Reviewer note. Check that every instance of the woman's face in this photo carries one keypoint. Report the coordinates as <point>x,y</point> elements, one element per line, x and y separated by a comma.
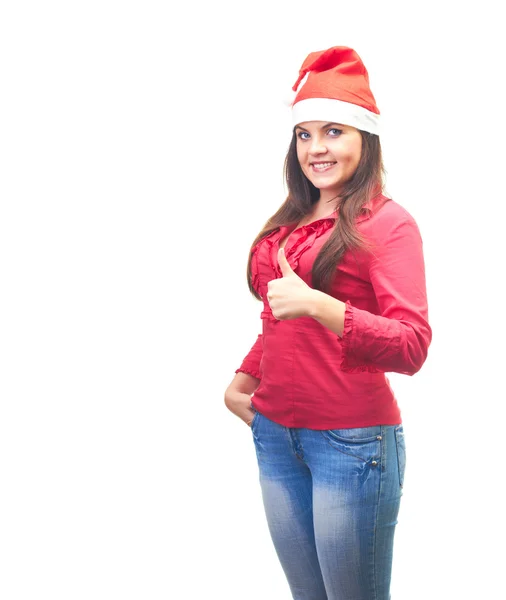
<point>328,153</point>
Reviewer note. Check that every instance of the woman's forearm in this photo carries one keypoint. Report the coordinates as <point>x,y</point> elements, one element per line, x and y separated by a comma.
<point>379,343</point>
<point>243,383</point>
<point>328,311</point>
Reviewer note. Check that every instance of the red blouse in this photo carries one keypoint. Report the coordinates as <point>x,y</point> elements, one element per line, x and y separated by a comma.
<point>310,377</point>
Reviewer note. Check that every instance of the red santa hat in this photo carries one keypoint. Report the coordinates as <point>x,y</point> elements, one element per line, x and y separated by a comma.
<point>335,89</point>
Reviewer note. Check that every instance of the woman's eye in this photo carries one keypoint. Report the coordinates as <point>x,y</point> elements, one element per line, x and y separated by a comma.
<point>335,132</point>
<point>302,134</point>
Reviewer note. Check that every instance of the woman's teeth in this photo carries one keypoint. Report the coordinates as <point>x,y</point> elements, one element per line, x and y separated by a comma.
<point>322,166</point>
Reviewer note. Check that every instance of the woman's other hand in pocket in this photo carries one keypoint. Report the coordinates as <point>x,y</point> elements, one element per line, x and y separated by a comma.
<point>238,396</point>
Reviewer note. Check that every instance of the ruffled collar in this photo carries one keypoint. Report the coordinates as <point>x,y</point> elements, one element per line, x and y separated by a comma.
<point>307,235</point>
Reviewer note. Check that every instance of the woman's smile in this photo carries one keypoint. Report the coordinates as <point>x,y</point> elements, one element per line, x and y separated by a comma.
<point>321,167</point>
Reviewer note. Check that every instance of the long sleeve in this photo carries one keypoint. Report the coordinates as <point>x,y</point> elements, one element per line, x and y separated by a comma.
<point>251,363</point>
<point>397,339</point>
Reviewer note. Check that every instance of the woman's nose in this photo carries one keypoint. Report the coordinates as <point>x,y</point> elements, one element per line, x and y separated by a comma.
<point>317,146</point>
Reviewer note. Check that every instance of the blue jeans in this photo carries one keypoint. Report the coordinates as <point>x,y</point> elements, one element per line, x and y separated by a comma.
<point>331,498</point>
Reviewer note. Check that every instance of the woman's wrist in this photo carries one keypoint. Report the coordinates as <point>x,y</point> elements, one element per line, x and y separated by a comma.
<point>318,305</point>
<point>328,311</point>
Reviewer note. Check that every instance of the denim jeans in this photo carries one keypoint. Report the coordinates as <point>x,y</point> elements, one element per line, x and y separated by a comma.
<point>331,498</point>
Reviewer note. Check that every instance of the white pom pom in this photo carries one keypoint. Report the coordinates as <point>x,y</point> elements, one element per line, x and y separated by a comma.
<point>288,98</point>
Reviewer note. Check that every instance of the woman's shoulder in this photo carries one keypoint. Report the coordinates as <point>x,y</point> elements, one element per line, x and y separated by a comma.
<point>388,212</point>
<point>389,218</point>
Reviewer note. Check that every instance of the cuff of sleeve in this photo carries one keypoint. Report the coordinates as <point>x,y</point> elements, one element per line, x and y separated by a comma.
<point>248,371</point>
<point>348,325</point>
<point>349,364</point>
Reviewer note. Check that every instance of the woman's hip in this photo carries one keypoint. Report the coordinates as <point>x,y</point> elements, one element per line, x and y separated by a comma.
<point>359,461</point>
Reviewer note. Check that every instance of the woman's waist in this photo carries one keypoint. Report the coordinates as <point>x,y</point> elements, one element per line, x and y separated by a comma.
<point>319,408</point>
<point>303,377</point>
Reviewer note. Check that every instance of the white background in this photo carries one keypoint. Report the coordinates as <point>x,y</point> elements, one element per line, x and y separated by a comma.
<point>141,152</point>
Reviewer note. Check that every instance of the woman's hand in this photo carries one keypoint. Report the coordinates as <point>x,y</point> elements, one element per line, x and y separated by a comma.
<point>240,404</point>
<point>289,297</point>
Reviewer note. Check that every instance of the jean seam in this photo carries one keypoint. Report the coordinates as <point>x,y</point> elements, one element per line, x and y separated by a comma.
<point>397,444</point>
<point>382,454</point>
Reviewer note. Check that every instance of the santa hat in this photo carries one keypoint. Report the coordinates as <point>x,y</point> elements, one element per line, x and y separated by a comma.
<point>335,89</point>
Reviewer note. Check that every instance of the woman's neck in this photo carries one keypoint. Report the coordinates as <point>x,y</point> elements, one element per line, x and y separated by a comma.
<point>325,205</point>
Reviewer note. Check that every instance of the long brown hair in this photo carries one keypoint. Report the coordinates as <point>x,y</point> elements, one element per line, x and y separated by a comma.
<point>366,183</point>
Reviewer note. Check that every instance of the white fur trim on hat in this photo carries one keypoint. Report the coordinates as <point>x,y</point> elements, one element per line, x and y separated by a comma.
<point>335,111</point>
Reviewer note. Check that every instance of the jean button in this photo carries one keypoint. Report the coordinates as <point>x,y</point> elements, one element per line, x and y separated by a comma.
<point>379,437</point>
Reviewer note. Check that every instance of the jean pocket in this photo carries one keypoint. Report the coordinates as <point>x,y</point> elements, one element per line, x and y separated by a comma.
<point>363,443</point>
<point>356,435</point>
<point>400,445</point>
<point>255,419</point>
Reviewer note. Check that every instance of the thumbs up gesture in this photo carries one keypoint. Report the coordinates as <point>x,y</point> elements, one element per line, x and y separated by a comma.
<point>289,297</point>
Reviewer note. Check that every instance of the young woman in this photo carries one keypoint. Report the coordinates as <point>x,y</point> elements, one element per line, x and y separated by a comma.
<point>340,270</point>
